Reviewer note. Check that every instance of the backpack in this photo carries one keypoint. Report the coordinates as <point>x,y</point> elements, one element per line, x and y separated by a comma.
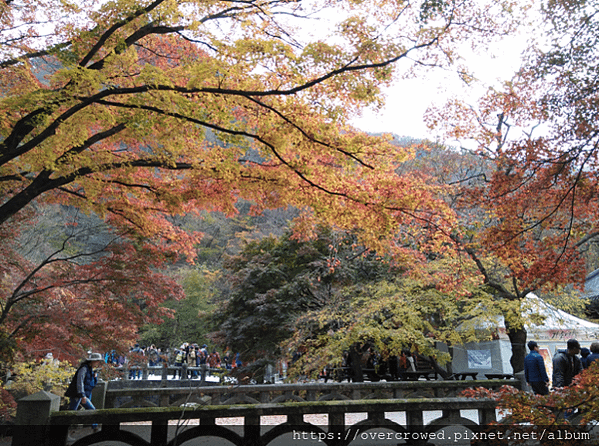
<point>137,350</point>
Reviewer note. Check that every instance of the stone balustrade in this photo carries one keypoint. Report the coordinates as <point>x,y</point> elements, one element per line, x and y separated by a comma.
<point>164,372</point>
<point>126,394</point>
<point>285,422</point>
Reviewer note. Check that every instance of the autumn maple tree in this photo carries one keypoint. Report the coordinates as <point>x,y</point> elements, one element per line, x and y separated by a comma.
<point>532,210</point>
<point>330,295</point>
<point>64,293</point>
<point>138,110</point>
<point>545,415</point>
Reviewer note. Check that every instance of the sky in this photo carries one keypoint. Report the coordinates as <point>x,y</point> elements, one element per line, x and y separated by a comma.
<point>408,100</point>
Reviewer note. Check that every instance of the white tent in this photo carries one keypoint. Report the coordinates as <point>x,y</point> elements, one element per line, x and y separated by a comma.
<point>494,356</point>
<point>558,325</point>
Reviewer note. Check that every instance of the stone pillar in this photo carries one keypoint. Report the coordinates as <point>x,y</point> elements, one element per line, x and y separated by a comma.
<point>414,418</point>
<point>184,372</point>
<point>487,416</point>
<point>523,384</point>
<point>337,428</point>
<point>33,416</point>
<point>164,372</point>
<point>268,374</point>
<point>126,368</point>
<point>99,395</point>
<point>251,430</point>
<point>204,373</point>
<point>159,433</point>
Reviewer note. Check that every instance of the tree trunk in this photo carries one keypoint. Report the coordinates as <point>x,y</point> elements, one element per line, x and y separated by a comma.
<point>356,364</point>
<point>517,338</point>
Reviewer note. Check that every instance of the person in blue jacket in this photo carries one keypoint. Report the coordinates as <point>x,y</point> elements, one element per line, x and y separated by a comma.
<point>594,356</point>
<point>83,382</point>
<point>584,354</point>
<point>534,370</point>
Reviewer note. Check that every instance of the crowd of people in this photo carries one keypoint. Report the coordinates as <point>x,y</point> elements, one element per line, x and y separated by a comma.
<point>566,365</point>
<point>188,354</point>
<point>85,378</point>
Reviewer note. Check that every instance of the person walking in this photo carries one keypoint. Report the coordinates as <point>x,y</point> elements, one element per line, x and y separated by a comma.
<point>83,382</point>
<point>136,362</point>
<point>534,370</point>
<point>566,364</point>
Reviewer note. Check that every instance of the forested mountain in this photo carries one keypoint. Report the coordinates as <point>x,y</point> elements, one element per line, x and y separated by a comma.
<point>238,292</point>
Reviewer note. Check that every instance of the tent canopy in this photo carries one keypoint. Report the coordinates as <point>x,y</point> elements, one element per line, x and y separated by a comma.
<point>558,325</point>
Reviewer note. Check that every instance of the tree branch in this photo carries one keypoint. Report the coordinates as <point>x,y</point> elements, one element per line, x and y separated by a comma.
<point>115,27</point>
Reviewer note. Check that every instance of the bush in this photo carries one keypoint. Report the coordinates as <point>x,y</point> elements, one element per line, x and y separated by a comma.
<point>31,377</point>
<point>566,414</point>
<point>8,406</point>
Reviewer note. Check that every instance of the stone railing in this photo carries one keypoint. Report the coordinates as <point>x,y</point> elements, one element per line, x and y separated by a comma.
<point>165,372</point>
<point>319,421</point>
<point>126,394</point>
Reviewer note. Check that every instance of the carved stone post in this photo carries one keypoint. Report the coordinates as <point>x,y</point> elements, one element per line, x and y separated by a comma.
<point>99,395</point>
<point>33,416</point>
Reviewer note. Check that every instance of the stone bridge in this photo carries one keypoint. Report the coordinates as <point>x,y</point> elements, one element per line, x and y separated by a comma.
<point>305,423</point>
<point>126,394</point>
<point>287,414</point>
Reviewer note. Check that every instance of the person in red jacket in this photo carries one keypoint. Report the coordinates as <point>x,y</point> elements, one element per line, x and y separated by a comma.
<point>214,360</point>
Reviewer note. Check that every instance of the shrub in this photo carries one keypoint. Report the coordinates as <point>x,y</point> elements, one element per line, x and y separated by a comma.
<point>8,406</point>
<point>30,377</point>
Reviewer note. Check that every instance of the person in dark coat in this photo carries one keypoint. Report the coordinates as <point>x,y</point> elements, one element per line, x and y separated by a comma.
<point>566,364</point>
<point>584,354</point>
<point>534,370</point>
<point>82,384</point>
<point>594,356</point>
